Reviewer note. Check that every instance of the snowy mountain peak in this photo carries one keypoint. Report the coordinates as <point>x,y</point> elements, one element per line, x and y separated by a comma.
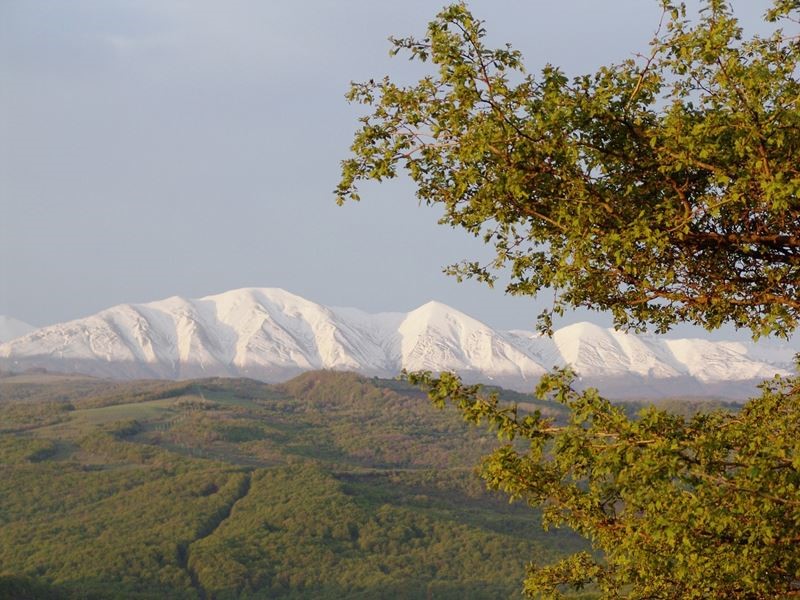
<point>272,334</point>
<point>437,337</point>
<point>589,347</point>
<point>434,306</point>
<point>441,317</point>
<point>583,329</point>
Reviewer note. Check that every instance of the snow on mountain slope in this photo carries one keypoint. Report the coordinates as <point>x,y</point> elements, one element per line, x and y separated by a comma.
<point>720,361</point>
<point>11,328</point>
<point>436,337</point>
<point>271,334</point>
<point>593,351</point>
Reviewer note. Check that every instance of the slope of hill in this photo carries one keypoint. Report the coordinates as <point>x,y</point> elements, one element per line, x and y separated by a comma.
<point>328,486</point>
<point>272,335</point>
<point>11,328</point>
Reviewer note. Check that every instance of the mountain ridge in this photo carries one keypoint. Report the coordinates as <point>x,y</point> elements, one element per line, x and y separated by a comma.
<point>271,334</point>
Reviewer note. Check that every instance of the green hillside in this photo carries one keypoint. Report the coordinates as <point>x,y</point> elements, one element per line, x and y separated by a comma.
<point>329,486</point>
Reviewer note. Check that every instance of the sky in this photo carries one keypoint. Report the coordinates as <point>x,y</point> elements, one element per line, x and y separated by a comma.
<point>151,148</point>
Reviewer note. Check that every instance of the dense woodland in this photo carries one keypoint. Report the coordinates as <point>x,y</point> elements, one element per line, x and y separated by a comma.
<point>330,485</point>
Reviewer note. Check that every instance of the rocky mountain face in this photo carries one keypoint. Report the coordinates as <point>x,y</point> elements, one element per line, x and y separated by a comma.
<point>272,335</point>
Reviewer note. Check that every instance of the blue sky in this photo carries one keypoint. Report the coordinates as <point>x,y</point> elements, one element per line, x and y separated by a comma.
<point>151,148</point>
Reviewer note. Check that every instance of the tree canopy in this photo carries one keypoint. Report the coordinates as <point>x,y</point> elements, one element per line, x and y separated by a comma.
<point>663,189</point>
<point>701,507</point>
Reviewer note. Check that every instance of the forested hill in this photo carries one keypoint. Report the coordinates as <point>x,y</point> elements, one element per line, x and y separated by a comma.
<point>329,486</point>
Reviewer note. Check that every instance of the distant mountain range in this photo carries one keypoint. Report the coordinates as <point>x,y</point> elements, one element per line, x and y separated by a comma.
<point>272,335</point>
<point>13,328</point>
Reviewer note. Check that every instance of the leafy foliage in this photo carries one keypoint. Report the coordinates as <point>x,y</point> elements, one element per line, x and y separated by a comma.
<point>700,507</point>
<point>662,190</point>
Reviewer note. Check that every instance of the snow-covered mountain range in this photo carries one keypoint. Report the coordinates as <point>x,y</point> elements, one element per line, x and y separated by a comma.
<point>271,334</point>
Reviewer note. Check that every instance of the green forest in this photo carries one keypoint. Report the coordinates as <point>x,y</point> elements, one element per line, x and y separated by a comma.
<point>328,486</point>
